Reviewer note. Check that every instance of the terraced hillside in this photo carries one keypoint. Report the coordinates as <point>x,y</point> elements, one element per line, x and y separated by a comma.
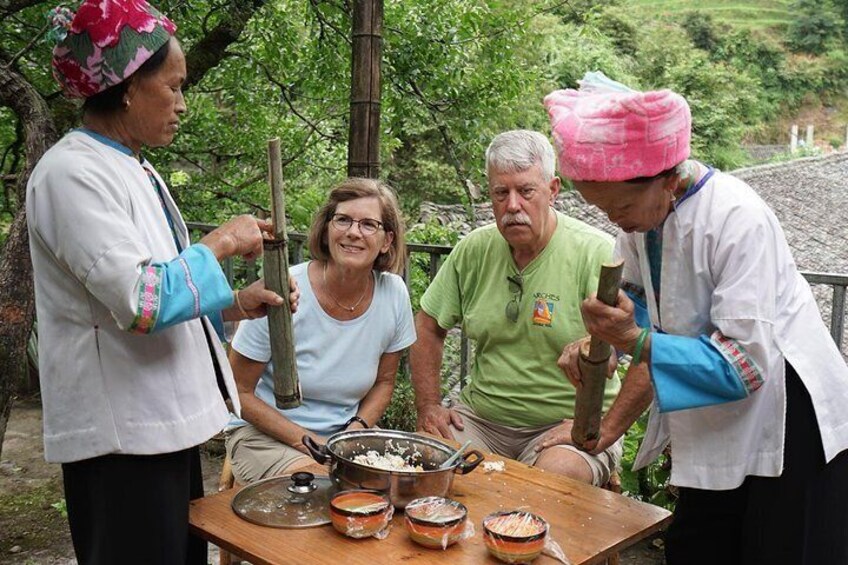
<point>765,15</point>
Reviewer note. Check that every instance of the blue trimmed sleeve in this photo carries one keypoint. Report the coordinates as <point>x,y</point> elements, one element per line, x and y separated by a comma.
<point>690,372</point>
<point>190,286</point>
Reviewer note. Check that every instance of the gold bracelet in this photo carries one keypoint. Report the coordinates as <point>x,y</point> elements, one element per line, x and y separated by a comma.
<point>240,307</point>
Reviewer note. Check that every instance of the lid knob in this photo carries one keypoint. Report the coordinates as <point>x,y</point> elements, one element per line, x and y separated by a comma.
<point>302,483</point>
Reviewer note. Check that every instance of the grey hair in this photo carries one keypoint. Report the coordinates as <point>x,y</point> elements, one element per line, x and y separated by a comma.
<point>518,150</point>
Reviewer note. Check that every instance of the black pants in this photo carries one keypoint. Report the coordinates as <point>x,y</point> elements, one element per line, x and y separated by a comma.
<point>133,509</point>
<point>799,518</point>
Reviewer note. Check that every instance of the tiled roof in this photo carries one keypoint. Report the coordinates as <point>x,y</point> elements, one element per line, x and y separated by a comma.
<point>810,198</point>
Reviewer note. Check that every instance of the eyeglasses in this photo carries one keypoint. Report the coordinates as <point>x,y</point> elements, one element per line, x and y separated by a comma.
<point>516,287</point>
<point>367,226</point>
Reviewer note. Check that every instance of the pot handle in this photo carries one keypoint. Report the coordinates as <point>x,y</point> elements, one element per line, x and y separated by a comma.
<point>319,452</point>
<point>470,460</point>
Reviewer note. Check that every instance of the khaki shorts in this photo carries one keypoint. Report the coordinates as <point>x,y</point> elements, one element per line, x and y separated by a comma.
<point>255,455</point>
<point>520,443</point>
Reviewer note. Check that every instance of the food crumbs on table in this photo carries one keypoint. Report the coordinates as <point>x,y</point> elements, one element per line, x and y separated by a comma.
<point>493,466</point>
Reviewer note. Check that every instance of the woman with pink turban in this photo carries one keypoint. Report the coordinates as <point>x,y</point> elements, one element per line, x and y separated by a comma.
<point>133,375</point>
<point>724,333</point>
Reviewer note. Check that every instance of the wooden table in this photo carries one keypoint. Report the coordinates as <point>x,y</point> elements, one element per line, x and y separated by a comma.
<point>589,523</point>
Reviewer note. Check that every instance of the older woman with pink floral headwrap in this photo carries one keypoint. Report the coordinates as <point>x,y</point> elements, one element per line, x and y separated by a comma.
<point>724,333</point>
<point>133,375</point>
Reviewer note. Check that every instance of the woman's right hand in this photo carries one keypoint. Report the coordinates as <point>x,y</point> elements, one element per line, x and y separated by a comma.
<point>242,236</point>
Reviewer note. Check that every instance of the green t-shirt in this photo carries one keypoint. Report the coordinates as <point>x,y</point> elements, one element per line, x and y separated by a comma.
<point>515,380</point>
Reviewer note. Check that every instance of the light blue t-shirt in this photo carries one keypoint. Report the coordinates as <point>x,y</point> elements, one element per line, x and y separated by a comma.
<point>336,360</point>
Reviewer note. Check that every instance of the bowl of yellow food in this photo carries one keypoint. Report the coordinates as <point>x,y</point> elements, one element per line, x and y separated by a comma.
<point>435,522</point>
<point>360,513</point>
<point>514,536</point>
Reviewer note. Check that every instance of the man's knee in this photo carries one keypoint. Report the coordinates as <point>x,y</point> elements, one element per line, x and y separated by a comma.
<point>565,462</point>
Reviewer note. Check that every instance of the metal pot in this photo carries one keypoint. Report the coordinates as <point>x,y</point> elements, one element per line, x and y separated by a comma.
<point>401,486</point>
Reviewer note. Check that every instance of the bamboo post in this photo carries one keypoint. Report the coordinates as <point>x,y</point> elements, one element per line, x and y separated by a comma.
<point>287,393</point>
<point>594,366</point>
<point>810,130</point>
<point>793,138</point>
<point>363,152</point>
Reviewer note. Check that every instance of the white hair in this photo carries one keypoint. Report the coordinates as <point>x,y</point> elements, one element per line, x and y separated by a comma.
<point>518,150</point>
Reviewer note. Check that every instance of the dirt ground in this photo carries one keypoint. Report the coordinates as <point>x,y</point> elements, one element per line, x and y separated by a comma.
<point>33,530</point>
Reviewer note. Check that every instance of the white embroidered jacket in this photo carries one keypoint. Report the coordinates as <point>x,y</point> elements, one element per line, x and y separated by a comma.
<point>726,266</point>
<point>95,221</point>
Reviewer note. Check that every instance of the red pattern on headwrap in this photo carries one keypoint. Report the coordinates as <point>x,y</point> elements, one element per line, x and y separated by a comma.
<point>107,41</point>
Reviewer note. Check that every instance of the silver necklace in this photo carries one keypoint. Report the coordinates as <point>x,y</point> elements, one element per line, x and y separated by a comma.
<point>339,304</point>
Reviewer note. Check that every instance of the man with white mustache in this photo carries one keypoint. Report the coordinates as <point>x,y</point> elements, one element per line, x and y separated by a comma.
<point>516,288</point>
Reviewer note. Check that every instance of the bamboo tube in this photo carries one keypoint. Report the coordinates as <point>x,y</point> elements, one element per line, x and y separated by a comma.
<point>594,367</point>
<point>287,393</point>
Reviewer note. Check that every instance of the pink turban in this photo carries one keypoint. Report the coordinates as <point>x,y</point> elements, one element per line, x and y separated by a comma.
<point>607,132</point>
<point>104,43</point>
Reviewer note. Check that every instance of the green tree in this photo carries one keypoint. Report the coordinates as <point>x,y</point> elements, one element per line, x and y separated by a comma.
<point>701,29</point>
<point>815,27</point>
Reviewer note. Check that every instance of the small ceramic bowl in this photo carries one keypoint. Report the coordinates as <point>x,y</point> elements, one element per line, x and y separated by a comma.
<point>514,536</point>
<point>360,513</point>
<point>435,522</point>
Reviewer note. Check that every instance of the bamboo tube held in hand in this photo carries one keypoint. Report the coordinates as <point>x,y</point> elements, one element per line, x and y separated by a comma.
<point>287,393</point>
<point>594,367</point>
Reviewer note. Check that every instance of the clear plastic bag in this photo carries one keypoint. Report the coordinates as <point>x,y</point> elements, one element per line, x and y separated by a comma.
<point>436,522</point>
<point>361,514</point>
<point>517,536</point>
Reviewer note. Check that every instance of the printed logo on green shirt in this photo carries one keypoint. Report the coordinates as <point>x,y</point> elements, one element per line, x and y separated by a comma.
<point>543,311</point>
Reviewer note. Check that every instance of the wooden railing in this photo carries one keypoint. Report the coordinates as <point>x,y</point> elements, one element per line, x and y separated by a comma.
<point>839,283</point>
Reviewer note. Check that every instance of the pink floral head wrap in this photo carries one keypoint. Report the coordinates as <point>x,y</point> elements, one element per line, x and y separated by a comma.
<point>607,132</point>
<point>104,43</point>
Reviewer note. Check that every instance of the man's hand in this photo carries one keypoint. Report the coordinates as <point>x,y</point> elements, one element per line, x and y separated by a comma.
<point>568,362</point>
<point>561,435</point>
<point>436,419</point>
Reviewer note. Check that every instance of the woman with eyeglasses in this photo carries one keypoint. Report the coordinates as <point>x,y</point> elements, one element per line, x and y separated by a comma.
<point>352,324</point>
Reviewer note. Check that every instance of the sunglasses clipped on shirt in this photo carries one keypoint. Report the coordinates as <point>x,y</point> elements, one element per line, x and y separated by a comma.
<point>367,226</point>
<point>516,287</point>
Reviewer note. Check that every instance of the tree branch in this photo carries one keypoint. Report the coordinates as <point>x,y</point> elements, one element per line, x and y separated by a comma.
<point>212,49</point>
<point>462,176</point>
<point>284,92</point>
<point>17,299</point>
<point>28,46</point>
<point>323,21</point>
<point>9,7</point>
<point>32,112</point>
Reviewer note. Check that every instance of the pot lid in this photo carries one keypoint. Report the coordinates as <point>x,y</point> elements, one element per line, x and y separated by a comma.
<point>299,500</point>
